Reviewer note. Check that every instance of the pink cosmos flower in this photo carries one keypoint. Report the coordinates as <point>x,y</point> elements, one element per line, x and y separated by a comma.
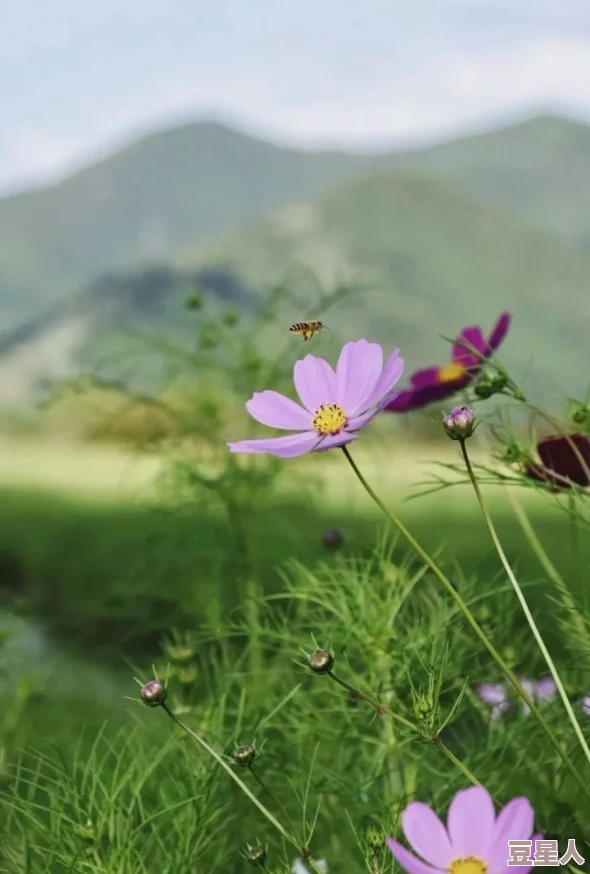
<point>475,840</point>
<point>336,404</point>
<point>497,695</point>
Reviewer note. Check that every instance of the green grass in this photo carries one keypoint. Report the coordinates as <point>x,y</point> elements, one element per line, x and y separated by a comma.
<point>104,574</point>
<point>95,554</point>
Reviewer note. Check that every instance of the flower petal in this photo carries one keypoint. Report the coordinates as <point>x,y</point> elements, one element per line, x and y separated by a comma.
<point>332,441</point>
<point>275,410</point>
<point>492,693</point>
<point>514,823</point>
<point>315,382</point>
<point>546,690</point>
<point>425,378</point>
<point>470,822</point>
<point>498,710</point>
<point>408,861</point>
<point>390,376</point>
<point>569,457</point>
<point>359,367</point>
<point>427,835</point>
<point>283,447</point>
<point>470,347</point>
<point>499,331</point>
<point>415,399</point>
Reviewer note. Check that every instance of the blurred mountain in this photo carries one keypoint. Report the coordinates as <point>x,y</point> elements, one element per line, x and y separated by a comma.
<point>435,258</point>
<point>182,186</point>
<point>166,190</point>
<point>540,168</point>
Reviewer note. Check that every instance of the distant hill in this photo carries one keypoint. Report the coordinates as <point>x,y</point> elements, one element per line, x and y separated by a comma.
<point>540,168</point>
<point>164,191</point>
<point>92,331</point>
<point>438,258</point>
<point>181,187</point>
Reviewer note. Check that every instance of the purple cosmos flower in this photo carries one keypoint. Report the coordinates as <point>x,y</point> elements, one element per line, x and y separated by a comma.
<point>585,704</point>
<point>564,460</point>
<point>436,383</point>
<point>475,840</point>
<point>497,694</point>
<point>336,404</point>
<point>494,694</point>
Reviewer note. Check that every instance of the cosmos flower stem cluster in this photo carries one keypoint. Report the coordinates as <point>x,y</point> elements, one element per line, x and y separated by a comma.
<point>386,711</point>
<point>523,602</point>
<point>291,838</point>
<point>509,674</point>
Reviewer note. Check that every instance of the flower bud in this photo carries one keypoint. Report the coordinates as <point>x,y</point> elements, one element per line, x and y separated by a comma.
<point>231,317</point>
<point>179,655</point>
<point>244,755</point>
<point>424,709</point>
<point>194,302</point>
<point>459,423</point>
<point>490,385</point>
<point>187,675</point>
<point>579,413</point>
<point>321,661</point>
<point>256,856</point>
<point>154,693</point>
<point>333,538</point>
<point>511,452</point>
<point>375,840</point>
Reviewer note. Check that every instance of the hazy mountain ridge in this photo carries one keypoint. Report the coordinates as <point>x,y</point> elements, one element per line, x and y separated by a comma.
<point>436,257</point>
<point>164,191</point>
<point>179,187</point>
<point>443,242</point>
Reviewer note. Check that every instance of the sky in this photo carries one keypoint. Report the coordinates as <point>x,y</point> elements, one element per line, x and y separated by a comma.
<point>78,79</point>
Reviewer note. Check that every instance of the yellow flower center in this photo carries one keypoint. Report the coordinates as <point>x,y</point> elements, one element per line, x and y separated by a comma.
<point>451,372</point>
<point>329,419</point>
<point>468,865</point>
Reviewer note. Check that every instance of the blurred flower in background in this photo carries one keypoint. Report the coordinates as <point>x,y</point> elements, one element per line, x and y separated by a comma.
<point>438,382</point>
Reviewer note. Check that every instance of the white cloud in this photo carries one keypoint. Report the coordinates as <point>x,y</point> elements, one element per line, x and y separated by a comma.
<point>397,98</point>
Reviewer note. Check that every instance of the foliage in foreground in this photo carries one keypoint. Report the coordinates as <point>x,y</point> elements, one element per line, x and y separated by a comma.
<point>356,685</point>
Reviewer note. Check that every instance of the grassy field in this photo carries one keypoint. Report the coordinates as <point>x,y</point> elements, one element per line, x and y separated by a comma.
<point>90,545</point>
<point>98,566</point>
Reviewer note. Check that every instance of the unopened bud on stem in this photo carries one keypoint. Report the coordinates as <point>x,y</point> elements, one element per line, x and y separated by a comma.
<point>244,755</point>
<point>321,661</point>
<point>154,693</point>
<point>459,423</point>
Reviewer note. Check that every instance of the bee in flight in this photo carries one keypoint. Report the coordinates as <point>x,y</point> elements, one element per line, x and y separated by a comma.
<point>308,329</point>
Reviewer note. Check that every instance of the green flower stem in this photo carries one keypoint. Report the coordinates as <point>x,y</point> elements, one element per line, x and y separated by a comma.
<point>278,803</point>
<point>523,602</point>
<point>397,523</point>
<point>549,567</point>
<point>292,839</point>
<point>379,708</point>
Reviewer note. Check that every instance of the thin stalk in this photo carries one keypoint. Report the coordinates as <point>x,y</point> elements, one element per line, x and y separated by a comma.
<point>397,523</point>
<point>523,602</point>
<point>379,708</point>
<point>548,566</point>
<point>573,526</point>
<point>277,801</point>
<point>292,839</point>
